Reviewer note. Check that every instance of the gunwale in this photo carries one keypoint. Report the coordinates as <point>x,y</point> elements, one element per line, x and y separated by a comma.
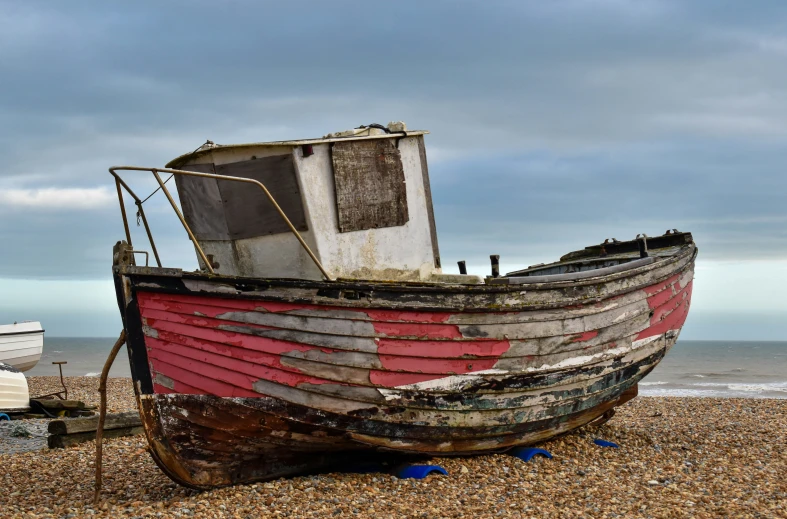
<point>409,295</point>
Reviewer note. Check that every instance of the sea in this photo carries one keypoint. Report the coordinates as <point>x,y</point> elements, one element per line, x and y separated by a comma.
<point>736,369</point>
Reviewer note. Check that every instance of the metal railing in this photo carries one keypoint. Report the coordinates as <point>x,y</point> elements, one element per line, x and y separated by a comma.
<point>120,183</point>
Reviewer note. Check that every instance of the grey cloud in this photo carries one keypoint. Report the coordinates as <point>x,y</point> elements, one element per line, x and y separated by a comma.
<point>554,125</point>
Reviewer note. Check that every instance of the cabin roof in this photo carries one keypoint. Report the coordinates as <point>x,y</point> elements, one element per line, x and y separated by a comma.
<point>210,146</point>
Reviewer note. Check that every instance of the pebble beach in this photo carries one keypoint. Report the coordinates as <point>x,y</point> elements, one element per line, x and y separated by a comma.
<point>678,457</point>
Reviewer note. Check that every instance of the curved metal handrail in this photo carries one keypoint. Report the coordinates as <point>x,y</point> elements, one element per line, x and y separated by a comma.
<point>119,182</point>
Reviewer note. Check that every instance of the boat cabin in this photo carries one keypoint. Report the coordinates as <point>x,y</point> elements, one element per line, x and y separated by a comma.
<point>360,199</point>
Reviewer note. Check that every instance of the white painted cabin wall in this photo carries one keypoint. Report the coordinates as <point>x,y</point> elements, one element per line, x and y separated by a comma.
<point>403,252</point>
<point>371,253</point>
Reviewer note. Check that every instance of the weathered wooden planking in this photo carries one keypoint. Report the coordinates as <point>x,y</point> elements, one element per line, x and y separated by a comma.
<point>502,389</point>
<point>238,361</point>
<point>370,187</point>
<point>60,441</point>
<point>295,363</point>
<point>55,404</point>
<point>676,239</point>
<point>211,314</point>
<point>224,412</point>
<point>180,304</point>
<point>90,423</point>
<point>248,210</point>
<point>410,297</point>
<point>240,379</point>
<point>283,451</point>
<point>202,205</point>
<point>420,297</point>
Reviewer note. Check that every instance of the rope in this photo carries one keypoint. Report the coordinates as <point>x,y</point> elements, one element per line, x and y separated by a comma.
<point>156,190</point>
<point>139,204</point>
<point>208,142</point>
<point>102,389</point>
<point>375,125</point>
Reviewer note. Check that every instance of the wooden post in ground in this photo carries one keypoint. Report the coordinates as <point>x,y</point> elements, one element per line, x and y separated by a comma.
<point>102,390</point>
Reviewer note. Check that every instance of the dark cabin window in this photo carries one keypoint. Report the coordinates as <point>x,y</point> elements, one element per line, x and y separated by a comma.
<point>226,210</point>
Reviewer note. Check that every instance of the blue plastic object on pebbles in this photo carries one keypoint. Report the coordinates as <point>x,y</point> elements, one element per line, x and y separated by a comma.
<point>605,443</point>
<point>418,471</point>
<point>4,416</point>
<point>527,453</point>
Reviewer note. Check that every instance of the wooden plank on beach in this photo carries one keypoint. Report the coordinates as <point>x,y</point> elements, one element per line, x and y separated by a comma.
<point>59,441</point>
<point>90,423</point>
<point>55,404</point>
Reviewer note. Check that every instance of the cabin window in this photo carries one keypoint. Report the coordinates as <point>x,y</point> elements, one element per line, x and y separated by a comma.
<point>224,210</point>
<point>370,187</point>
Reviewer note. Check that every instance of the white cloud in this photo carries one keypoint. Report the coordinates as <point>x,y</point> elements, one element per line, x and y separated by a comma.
<point>58,198</point>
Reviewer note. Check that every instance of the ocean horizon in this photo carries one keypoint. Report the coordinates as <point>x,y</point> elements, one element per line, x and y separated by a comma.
<point>733,369</point>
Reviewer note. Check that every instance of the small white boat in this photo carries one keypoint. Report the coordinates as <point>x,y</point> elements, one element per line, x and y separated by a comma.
<point>14,395</point>
<point>21,344</point>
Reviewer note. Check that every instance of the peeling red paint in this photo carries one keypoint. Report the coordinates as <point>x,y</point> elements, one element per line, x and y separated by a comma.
<point>662,322</point>
<point>427,331</point>
<point>582,337</point>
<point>658,287</point>
<point>438,367</point>
<point>193,348</point>
<point>442,349</point>
<point>405,316</point>
<point>252,364</point>
<point>222,382</point>
<point>163,390</point>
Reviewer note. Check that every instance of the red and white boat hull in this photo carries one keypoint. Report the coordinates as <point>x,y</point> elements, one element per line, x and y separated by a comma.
<point>240,381</point>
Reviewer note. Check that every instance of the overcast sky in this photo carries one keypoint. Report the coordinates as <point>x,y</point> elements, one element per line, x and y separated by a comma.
<point>554,125</point>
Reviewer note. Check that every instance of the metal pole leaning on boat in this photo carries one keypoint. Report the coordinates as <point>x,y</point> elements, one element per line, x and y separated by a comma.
<point>122,209</point>
<point>102,412</point>
<point>150,236</point>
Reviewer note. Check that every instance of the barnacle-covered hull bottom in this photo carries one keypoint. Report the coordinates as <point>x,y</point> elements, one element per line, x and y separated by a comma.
<point>242,380</point>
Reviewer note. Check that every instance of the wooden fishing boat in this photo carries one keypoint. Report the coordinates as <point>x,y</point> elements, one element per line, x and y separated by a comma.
<point>21,344</point>
<point>14,395</point>
<point>244,376</point>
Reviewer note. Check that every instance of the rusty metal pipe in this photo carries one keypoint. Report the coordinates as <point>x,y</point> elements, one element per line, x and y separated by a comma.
<point>125,186</point>
<point>495,259</point>
<point>642,243</point>
<point>150,236</point>
<point>147,256</point>
<point>123,211</point>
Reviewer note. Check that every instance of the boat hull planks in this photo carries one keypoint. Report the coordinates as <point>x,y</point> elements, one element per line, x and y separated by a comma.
<point>242,380</point>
